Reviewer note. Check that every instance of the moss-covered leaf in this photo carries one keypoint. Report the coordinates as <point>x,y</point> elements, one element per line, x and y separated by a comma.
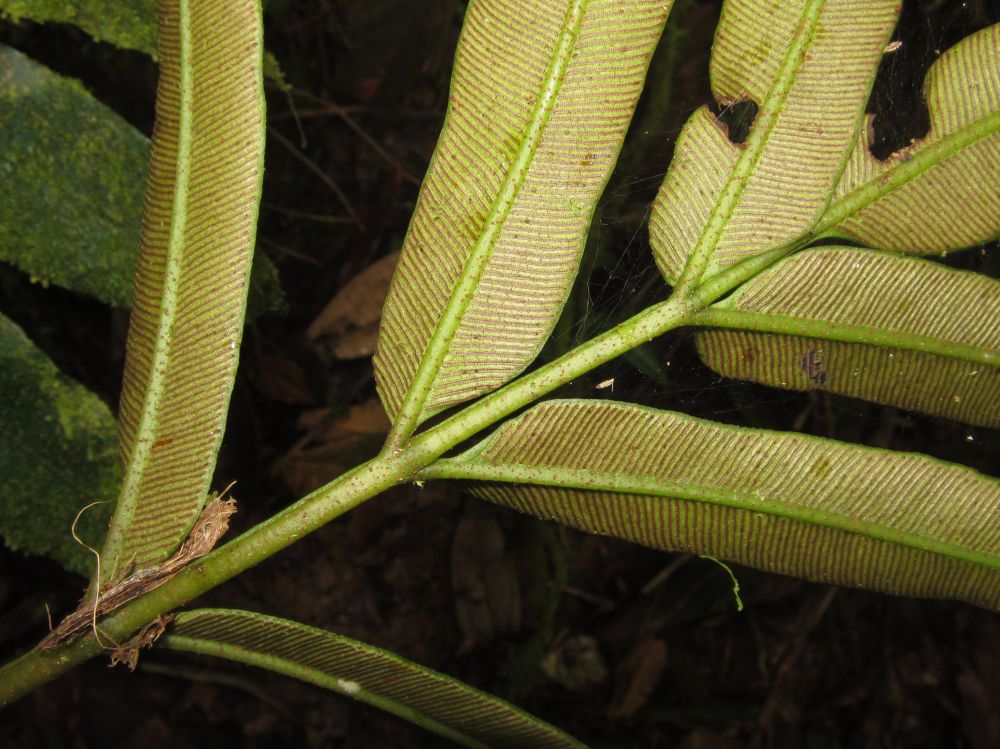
<point>894,330</point>
<point>790,503</point>
<point>417,694</point>
<point>73,174</point>
<point>129,25</point>
<point>58,453</point>
<point>72,171</point>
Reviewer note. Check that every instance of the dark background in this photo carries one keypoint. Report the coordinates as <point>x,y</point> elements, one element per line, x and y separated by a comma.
<point>652,642</point>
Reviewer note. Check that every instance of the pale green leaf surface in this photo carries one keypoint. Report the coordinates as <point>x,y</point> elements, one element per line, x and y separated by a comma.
<point>541,96</point>
<point>809,65</point>
<point>191,279</point>
<point>73,174</point>
<point>130,25</point>
<point>894,330</point>
<point>425,697</point>
<point>795,504</point>
<point>941,192</point>
<point>58,453</point>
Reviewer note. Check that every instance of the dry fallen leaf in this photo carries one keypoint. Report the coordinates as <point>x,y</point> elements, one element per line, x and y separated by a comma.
<point>347,327</point>
<point>576,663</point>
<point>324,425</point>
<point>333,443</point>
<point>484,578</point>
<point>636,677</point>
<point>281,378</point>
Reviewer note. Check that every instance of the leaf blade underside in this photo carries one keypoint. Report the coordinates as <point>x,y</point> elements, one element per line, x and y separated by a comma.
<point>425,697</point>
<point>809,66</point>
<point>541,96</point>
<point>893,330</point>
<point>794,504</point>
<point>190,292</point>
<point>938,194</point>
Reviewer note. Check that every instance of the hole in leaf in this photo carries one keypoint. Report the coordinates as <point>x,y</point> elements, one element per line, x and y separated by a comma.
<point>738,116</point>
<point>896,99</point>
<point>926,29</point>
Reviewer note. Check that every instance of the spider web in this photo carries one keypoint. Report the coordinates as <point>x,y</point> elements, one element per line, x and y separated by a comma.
<point>619,278</point>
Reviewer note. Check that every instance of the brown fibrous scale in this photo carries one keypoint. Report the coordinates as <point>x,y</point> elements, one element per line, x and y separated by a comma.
<point>208,529</point>
<point>128,654</point>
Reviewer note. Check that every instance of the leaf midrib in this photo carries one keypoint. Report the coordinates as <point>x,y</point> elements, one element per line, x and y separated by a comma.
<point>903,173</point>
<point>587,480</point>
<point>897,177</point>
<point>372,691</point>
<point>315,676</point>
<point>437,348</point>
<point>141,449</point>
<point>781,323</point>
<point>760,134</point>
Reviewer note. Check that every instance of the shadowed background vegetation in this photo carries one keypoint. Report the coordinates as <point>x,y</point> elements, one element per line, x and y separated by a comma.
<point>578,629</point>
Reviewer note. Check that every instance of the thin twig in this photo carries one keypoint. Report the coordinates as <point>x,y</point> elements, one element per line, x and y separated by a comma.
<point>301,256</point>
<point>321,218</point>
<point>663,575</point>
<point>592,598</point>
<point>206,676</point>
<point>810,617</point>
<point>353,124</point>
<point>326,178</point>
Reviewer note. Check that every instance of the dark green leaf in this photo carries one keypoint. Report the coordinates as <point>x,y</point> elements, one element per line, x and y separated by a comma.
<point>130,24</point>
<point>73,174</point>
<point>58,453</point>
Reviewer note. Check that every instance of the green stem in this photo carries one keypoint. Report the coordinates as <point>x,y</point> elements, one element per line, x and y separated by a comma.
<point>658,486</point>
<point>315,510</point>
<point>35,667</point>
<point>834,331</point>
<point>903,173</point>
<point>725,281</point>
<point>648,324</point>
<point>346,492</point>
